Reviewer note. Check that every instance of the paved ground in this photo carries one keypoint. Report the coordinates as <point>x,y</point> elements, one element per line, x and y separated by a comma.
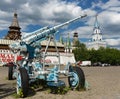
<point>104,84</point>
<point>6,87</point>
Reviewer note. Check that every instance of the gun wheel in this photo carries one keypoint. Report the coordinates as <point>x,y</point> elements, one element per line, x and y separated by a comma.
<point>22,82</point>
<point>77,78</point>
<point>10,73</point>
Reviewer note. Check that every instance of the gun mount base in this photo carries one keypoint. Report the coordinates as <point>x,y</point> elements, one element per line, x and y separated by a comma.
<point>56,84</point>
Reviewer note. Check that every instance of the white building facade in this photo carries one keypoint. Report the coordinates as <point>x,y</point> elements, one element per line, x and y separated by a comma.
<point>97,39</point>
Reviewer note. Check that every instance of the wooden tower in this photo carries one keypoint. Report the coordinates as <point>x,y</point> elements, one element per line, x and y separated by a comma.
<point>14,30</point>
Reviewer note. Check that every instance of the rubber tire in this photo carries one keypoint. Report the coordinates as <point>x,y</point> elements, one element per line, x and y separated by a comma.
<point>81,76</point>
<point>10,73</point>
<point>24,81</point>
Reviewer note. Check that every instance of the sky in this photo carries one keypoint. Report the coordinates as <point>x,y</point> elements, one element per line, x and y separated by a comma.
<point>35,14</point>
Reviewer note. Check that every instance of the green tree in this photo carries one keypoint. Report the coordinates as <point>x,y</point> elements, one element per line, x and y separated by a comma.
<point>103,55</point>
<point>80,51</point>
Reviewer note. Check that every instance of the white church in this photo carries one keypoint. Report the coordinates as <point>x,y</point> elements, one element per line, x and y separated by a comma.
<point>97,39</point>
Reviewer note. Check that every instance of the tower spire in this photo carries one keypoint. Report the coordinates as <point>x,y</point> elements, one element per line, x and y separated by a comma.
<point>97,35</point>
<point>14,29</point>
<point>68,41</point>
<point>96,24</point>
<point>15,21</point>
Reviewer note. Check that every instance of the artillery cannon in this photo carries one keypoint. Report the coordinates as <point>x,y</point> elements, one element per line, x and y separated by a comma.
<point>28,67</point>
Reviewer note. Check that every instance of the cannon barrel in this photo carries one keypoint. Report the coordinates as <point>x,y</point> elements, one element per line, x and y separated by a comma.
<point>35,32</point>
<point>68,22</point>
<point>30,39</point>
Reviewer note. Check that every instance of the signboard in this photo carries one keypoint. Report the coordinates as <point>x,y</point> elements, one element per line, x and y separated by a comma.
<point>64,58</point>
<point>6,56</point>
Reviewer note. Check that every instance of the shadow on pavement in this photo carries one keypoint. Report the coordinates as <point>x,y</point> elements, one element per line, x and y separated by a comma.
<point>6,90</point>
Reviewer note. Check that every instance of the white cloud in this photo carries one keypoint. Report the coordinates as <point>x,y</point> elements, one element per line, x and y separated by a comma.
<point>52,12</point>
<point>109,18</point>
<point>3,14</point>
<point>109,22</point>
<point>98,4</point>
<point>111,3</point>
<point>8,1</point>
<point>39,12</point>
<point>60,10</point>
<point>48,13</point>
<point>83,32</point>
<point>107,5</point>
<point>113,42</point>
<point>90,12</point>
<point>4,24</point>
<point>114,9</point>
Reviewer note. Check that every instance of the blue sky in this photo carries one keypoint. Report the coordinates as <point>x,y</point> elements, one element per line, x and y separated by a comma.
<point>34,14</point>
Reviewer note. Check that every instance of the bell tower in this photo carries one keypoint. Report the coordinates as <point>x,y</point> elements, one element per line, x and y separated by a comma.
<point>14,30</point>
<point>97,35</point>
<point>97,39</point>
<point>75,39</point>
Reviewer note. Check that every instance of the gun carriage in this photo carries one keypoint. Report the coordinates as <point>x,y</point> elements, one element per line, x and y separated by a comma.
<point>28,67</point>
